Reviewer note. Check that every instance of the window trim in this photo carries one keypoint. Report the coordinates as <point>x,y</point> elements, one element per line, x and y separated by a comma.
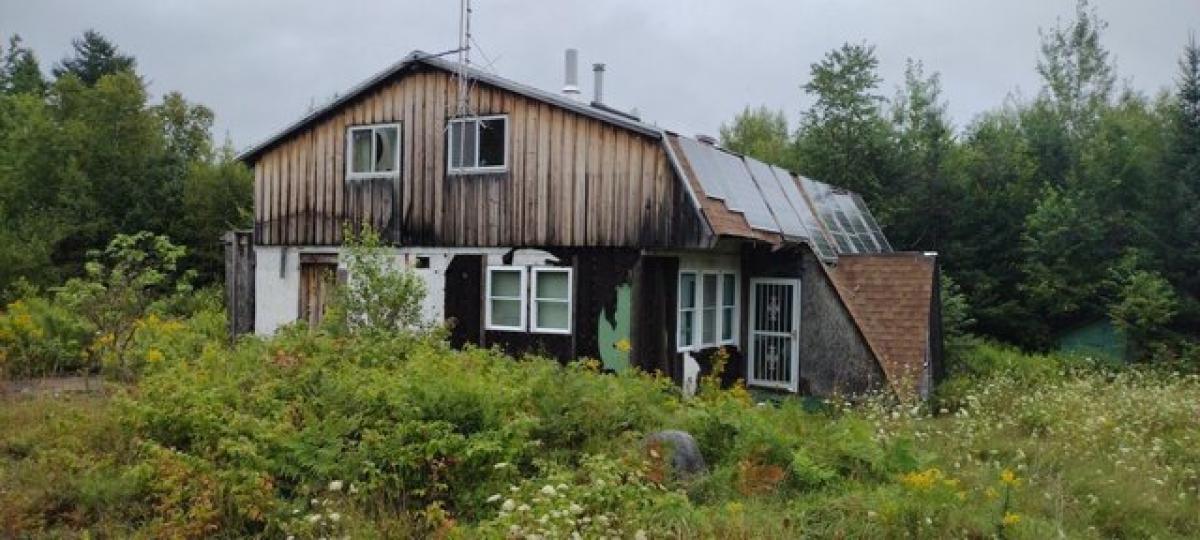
<point>522,296</point>
<point>476,169</point>
<point>350,174</point>
<point>697,308</point>
<point>534,299</point>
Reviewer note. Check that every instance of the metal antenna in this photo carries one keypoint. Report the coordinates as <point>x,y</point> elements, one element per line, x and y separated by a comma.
<point>464,58</point>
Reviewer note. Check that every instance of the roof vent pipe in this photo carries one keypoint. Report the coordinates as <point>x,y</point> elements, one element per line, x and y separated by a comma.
<point>598,72</point>
<point>571,75</point>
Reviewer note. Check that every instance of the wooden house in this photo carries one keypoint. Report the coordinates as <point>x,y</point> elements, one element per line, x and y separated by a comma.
<point>544,223</point>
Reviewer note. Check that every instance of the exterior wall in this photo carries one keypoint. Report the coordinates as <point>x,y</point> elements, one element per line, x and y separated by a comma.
<point>834,356</point>
<point>277,299</point>
<point>571,181</point>
<point>598,320</point>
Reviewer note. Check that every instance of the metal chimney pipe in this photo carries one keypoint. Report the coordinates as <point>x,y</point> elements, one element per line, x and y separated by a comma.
<point>598,72</point>
<point>571,74</point>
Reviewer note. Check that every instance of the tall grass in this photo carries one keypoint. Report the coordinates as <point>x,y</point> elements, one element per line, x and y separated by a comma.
<point>315,436</point>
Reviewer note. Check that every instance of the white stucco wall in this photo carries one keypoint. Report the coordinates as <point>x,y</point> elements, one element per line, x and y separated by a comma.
<point>277,295</point>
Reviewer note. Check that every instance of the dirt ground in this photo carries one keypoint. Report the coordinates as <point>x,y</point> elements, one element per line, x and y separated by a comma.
<point>51,385</point>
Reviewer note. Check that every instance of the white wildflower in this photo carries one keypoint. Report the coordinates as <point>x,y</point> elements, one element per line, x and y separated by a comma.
<point>500,465</point>
<point>523,508</point>
<point>335,517</point>
<point>576,509</point>
<point>335,485</point>
<point>548,490</point>
<point>493,498</point>
<point>639,535</point>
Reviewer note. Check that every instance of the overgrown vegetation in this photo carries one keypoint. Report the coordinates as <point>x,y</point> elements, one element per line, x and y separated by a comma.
<point>383,430</point>
<point>313,435</point>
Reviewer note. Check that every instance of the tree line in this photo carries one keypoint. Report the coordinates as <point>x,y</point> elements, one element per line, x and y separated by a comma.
<point>85,154</point>
<point>1077,205</point>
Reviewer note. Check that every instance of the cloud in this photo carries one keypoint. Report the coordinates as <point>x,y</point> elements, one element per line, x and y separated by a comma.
<point>688,65</point>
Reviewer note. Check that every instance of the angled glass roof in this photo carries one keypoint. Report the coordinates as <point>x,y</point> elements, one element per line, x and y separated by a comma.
<point>844,214</point>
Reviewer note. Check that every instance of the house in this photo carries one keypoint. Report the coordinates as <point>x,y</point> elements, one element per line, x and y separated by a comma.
<point>544,223</point>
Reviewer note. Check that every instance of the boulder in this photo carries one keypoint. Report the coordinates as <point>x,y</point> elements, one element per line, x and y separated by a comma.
<point>685,453</point>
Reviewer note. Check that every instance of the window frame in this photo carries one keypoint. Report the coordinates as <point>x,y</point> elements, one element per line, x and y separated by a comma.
<point>697,334</point>
<point>350,174</point>
<point>523,296</point>
<point>534,299</point>
<point>736,318</point>
<point>475,169</point>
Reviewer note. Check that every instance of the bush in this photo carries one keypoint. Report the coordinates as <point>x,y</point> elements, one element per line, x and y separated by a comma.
<point>39,337</point>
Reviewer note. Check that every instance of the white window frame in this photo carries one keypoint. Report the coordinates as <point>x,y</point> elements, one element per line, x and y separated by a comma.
<point>698,310</point>
<point>350,174</point>
<point>523,297</point>
<point>535,300</point>
<point>734,325</point>
<point>451,169</point>
<point>679,310</point>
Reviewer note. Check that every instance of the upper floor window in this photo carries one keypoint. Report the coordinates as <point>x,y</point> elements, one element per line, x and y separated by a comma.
<point>478,144</point>
<point>374,151</point>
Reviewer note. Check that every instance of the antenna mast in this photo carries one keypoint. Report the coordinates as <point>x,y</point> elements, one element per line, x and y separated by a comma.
<point>464,58</point>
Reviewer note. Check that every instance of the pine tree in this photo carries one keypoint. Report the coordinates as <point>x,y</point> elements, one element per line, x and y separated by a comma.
<point>20,73</point>
<point>95,56</point>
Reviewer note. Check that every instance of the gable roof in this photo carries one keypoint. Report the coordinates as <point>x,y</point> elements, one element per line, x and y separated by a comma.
<point>891,296</point>
<point>421,58</point>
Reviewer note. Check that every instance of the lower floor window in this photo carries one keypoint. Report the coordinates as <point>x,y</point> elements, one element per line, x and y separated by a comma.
<point>552,300</point>
<point>707,311</point>
<point>506,298</point>
<point>537,299</point>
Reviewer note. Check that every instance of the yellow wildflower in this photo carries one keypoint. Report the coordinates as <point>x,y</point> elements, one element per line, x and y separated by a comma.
<point>922,480</point>
<point>622,345</point>
<point>1010,519</point>
<point>1009,478</point>
<point>990,493</point>
<point>154,355</point>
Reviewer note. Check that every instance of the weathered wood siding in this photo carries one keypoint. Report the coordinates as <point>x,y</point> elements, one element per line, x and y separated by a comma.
<point>571,181</point>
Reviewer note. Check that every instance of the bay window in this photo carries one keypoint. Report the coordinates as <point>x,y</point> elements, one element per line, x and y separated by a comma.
<point>707,310</point>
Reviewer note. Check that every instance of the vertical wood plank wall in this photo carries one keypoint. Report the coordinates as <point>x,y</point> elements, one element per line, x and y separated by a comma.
<point>572,180</point>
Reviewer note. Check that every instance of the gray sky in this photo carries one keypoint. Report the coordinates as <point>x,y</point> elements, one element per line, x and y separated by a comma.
<point>687,65</point>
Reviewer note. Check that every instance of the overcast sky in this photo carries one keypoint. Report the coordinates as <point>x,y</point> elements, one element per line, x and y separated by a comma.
<point>687,65</point>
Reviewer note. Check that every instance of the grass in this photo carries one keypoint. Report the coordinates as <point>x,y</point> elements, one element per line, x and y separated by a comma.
<point>314,436</point>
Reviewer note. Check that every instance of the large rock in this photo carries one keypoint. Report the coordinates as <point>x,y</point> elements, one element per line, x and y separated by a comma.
<point>685,453</point>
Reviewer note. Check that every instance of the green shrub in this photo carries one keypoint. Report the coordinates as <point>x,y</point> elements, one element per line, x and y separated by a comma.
<point>39,337</point>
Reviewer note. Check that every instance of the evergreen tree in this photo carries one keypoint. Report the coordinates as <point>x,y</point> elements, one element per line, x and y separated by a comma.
<point>917,199</point>
<point>94,57</point>
<point>20,73</point>
<point>843,138</point>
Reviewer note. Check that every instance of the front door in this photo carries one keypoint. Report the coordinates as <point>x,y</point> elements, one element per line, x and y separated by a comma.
<point>317,281</point>
<point>774,333</point>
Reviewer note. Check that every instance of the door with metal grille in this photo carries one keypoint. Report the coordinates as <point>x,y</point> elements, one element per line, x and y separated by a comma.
<point>774,333</point>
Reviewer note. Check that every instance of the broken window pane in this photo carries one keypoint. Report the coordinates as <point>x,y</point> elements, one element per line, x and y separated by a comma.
<point>491,142</point>
<point>386,148</point>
